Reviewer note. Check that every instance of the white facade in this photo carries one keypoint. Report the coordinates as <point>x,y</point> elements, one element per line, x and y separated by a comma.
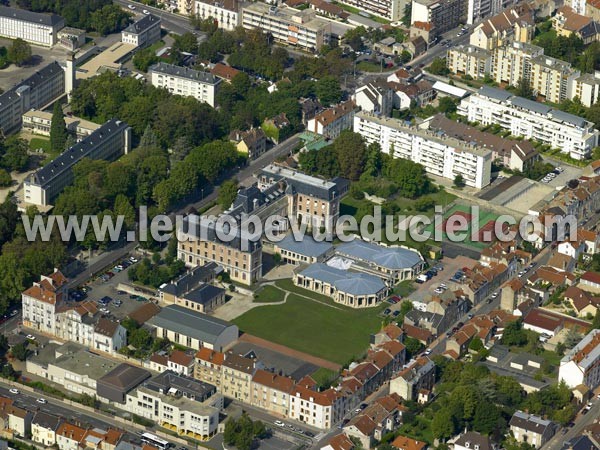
<point>579,6</point>
<point>571,134</point>
<point>388,9</point>
<point>375,98</point>
<point>142,33</point>
<point>36,28</point>
<point>186,82</point>
<point>444,157</point>
<point>332,121</point>
<point>226,13</point>
<point>188,416</point>
<point>581,365</point>
<point>318,409</point>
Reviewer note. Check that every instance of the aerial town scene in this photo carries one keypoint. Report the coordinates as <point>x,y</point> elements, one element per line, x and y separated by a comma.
<point>300,224</point>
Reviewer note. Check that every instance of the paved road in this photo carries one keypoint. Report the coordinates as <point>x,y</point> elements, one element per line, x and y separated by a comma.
<point>58,408</point>
<point>556,443</point>
<point>175,23</point>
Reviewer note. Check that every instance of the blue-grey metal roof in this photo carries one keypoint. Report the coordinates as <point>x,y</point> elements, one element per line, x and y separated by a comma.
<point>530,105</point>
<point>190,323</point>
<point>495,93</point>
<point>139,26</point>
<point>30,16</point>
<point>307,246</point>
<point>353,283</point>
<point>568,118</point>
<point>204,294</point>
<point>389,257</point>
<point>184,72</point>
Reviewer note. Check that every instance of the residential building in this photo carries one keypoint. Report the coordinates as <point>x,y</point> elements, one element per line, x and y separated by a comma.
<point>440,155</point>
<point>224,72</point>
<point>442,15</point>
<point>18,420</point>
<point>99,439</point>
<point>186,82</point>
<point>37,91</point>
<point>116,384</point>
<point>512,62</point>
<point>332,121</point>
<point>587,88</point>
<point>388,9</point>
<point>469,60</point>
<point>193,289</point>
<point>252,142</point>
<point>227,14</point>
<point>419,374</point>
<point>208,366</point>
<point>236,378</point>
<point>44,427</point>
<point>318,409</point>
<point>592,9</point>
<point>39,122</point>
<point>178,361</point>
<point>590,281</point>
<point>40,302</point>
<point>567,22</point>
<point>71,38</point>
<point>420,93</point>
<point>143,32</point>
<point>515,23</point>
<point>302,29</point>
<point>35,28</point>
<point>573,135</point>
<point>516,155</point>
<point>187,406</point>
<point>108,142</point>
<point>531,429</point>
<point>193,329</point>
<point>406,443</point>
<point>339,442</point>
<point>374,97</point>
<point>349,288</point>
<point>545,321</point>
<point>271,392</point>
<point>69,436</point>
<point>581,364</point>
<point>552,78</point>
<point>471,440</point>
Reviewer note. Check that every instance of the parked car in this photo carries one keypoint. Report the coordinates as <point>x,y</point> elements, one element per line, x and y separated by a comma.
<point>31,337</point>
<point>145,11</point>
<point>279,423</point>
<point>131,7</point>
<point>14,391</point>
<point>495,295</point>
<point>387,311</point>
<point>396,313</point>
<point>133,259</point>
<point>427,352</point>
<point>41,400</point>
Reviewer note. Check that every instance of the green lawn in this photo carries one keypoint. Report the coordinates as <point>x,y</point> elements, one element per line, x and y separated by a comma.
<point>367,66</point>
<point>324,377</point>
<point>43,143</point>
<point>269,294</point>
<point>330,331</point>
<point>404,288</point>
<point>288,285</point>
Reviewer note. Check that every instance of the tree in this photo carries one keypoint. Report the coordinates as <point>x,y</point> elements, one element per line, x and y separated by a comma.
<point>227,193</point>
<point>58,130</point>
<point>8,371</point>
<point>523,88</point>
<point>405,56</point>
<point>144,58</point>
<point>187,42</point>
<point>15,154</point>
<point>19,52</point>
<point>351,154</point>
<point>438,67</point>
<point>446,105</point>
<point>459,181</point>
<point>514,334</point>
<point>329,91</point>
<point>5,178</point>
<point>413,346</point>
<point>596,321</point>
<point>443,425</point>
<point>109,19</point>
<point>486,418</point>
<point>20,351</point>
<point>476,345</point>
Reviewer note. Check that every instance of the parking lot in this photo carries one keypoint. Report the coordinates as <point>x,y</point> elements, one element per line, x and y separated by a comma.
<point>121,304</point>
<point>562,175</point>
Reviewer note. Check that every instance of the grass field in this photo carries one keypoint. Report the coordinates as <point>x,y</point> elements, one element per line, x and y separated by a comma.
<point>326,330</point>
<point>269,294</point>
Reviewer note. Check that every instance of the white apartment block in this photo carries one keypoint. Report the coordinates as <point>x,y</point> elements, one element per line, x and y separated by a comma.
<point>388,9</point>
<point>108,142</point>
<point>439,155</point>
<point>318,409</point>
<point>532,120</point>
<point>143,32</point>
<point>587,88</point>
<point>469,60</point>
<point>40,122</point>
<point>226,13</point>
<point>443,15</point>
<point>512,62</point>
<point>36,28</point>
<point>581,364</point>
<point>552,78</point>
<point>186,82</point>
<point>302,29</point>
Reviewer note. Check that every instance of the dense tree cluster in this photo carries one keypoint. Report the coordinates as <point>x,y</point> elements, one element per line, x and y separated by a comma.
<point>58,129</point>
<point>98,15</point>
<point>243,432</point>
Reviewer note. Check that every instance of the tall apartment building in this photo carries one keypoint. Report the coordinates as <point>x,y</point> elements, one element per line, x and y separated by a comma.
<point>227,14</point>
<point>581,364</point>
<point>332,121</point>
<point>108,142</point>
<point>143,32</point>
<point>302,29</point>
<point>552,78</point>
<point>469,60</point>
<point>37,91</point>
<point>184,81</point>
<point>388,9</point>
<point>587,88</point>
<point>40,302</point>
<point>36,28</point>
<point>442,15</point>
<point>512,62</point>
<point>532,120</point>
<point>440,155</point>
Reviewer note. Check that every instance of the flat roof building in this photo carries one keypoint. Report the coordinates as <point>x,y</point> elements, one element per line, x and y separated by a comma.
<point>115,385</point>
<point>185,81</point>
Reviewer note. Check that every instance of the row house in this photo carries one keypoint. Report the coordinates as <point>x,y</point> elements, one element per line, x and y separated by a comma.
<point>271,392</point>
<point>318,409</point>
<point>479,327</point>
<point>482,281</point>
<point>41,300</point>
<point>178,361</point>
<point>14,421</point>
<point>419,375</point>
